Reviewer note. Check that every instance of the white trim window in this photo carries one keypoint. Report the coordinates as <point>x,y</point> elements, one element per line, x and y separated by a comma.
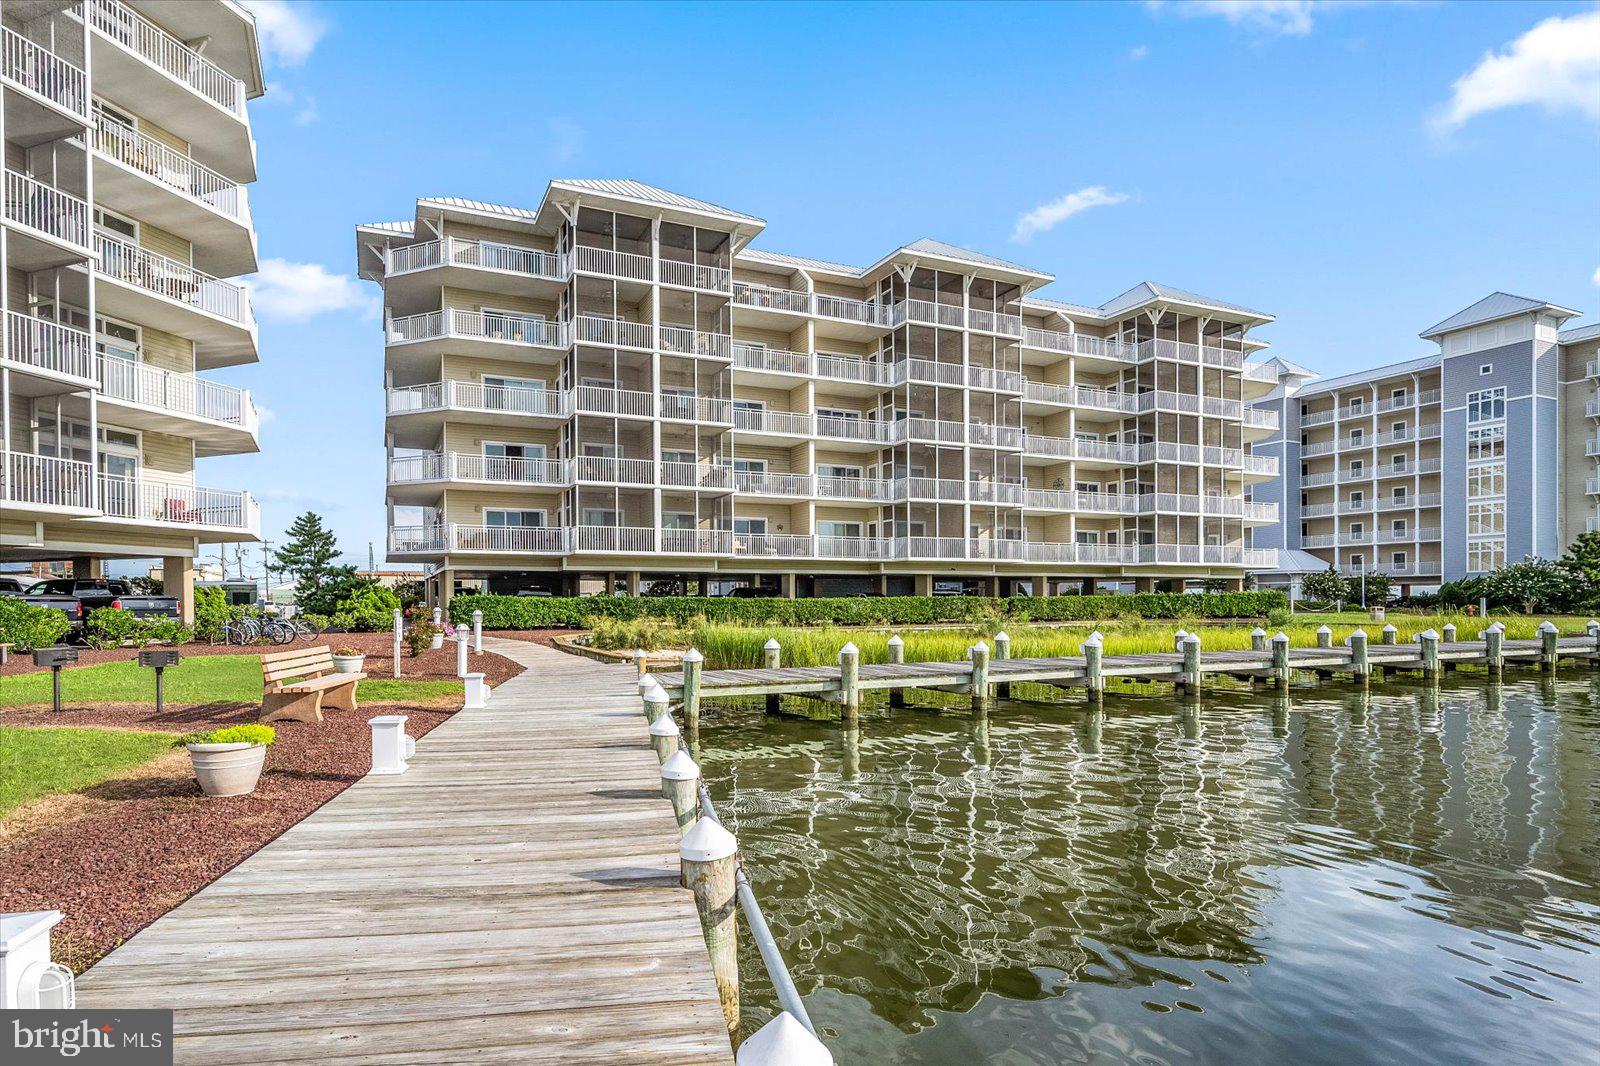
<point>501,518</point>
<point>1486,405</point>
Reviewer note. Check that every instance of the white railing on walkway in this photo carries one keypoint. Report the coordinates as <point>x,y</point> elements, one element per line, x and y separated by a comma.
<point>46,481</point>
<point>161,49</point>
<point>171,279</point>
<point>42,207</point>
<point>39,70</point>
<point>47,345</point>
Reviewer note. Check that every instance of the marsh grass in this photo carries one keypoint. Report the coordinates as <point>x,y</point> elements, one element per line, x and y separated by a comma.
<point>734,647</point>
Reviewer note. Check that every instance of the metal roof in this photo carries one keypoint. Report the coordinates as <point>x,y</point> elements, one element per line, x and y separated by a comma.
<point>1297,561</point>
<point>1149,292</point>
<point>1411,366</point>
<point>479,205</point>
<point>628,189</point>
<point>929,246</point>
<point>797,262</point>
<point>1579,334</point>
<point>1496,305</point>
<point>1062,306</point>
<point>1285,366</point>
<point>390,227</point>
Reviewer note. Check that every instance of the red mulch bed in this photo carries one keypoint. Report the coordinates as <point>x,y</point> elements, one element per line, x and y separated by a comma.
<point>379,648</point>
<point>117,856</point>
<point>547,637</point>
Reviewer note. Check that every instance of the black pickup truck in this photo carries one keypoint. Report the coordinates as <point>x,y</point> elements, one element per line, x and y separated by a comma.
<point>79,596</point>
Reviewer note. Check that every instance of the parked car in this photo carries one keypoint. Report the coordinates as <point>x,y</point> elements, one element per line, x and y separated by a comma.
<point>753,592</point>
<point>86,594</point>
<point>70,605</point>
<point>13,586</point>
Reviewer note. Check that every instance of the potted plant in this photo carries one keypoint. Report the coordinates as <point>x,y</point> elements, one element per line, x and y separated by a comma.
<point>349,660</point>
<point>228,762</point>
<point>439,633</point>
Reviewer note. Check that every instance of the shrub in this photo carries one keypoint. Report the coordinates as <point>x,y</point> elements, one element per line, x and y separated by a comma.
<point>1327,586</point>
<point>28,626</point>
<point>556,612</point>
<point>419,635</point>
<point>1279,617</point>
<point>108,627</point>
<point>233,734</point>
<point>650,634</point>
<point>366,610</point>
<point>211,613</point>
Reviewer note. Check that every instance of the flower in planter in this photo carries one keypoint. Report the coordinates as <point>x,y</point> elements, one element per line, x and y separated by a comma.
<point>349,652</point>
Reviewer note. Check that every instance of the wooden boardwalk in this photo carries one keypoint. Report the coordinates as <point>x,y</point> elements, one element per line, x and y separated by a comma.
<point>513,897</point>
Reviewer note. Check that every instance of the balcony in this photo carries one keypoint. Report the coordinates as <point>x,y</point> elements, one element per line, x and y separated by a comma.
<point>135,59</point>
<point>696,276</point>
<point>1260,373</point>
<point>41,486</point>
<point>209,512</point>
<point>611,539</point>
<point>780,423</point>
<point>466,466</point>
<point>1591,407</point>
<point>168,295</point>
<point>33,67</point>
<point>1261,465</point>
<point>536,539</point>
<point>696,408</point>
<point>140,176</point>
<point>1591,486</point>
<point>1591,446</point>
<point>612,332</point>
<point>928,488</point>
<point>1408,401</point>
<point>929,429</point>
<point>1325,447</point>
<point>759,357</point>
<point>681,340</point>
<point>627,266</point>
<point>766,298</point>
<point>57,221</point>
<point>1186,352</point>
<point>599,400</point>
<point>44,348</point>
<point>865,430</point>
<point>484,333</point>
<point>518,402</point>
<point>479,262</point>
<point>761,483</point>
<point>1261,418</point>
<point>858,489</point>
<point>612,470</point>
<point>994,322</point>
<point>220,419</point>
<point>1007,493</point>
<point>1318,418</point>
<point>1080,344</point>
<point>843,368</point>
<point>709,476</point>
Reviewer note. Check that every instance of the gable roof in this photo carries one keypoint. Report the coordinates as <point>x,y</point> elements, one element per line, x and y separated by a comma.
<point>1380,373</point>
<point>638,191</point>
<point>1495,306</point>
<point>520,213</point>
<point>1062,306</point>
<point>929,246</point>
<point>390,227</point>
<point>1579,334</point>
<point>1147,292</point>
<point>800,262</point>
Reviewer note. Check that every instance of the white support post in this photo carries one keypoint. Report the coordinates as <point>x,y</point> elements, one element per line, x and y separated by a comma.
<point>392,748</point>
<point>461,653</point>
<point>477,694</point>
<point>399,629</point>
<point>664,737</point>
<point>477,632</point>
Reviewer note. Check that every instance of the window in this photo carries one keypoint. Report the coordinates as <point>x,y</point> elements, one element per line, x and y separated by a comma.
<point>1357,530</point>
<point>1397,397</point>
<point>1399,494</point>
<point>1486,519</point>
<point>1089,486</point>
<point>1356,437</point>
<point>117,340</point>
<point>839,529</point>
<point>1358,561</point>
<point>1486,405</point>
<point>602,451</point>
<point>838,412</point>
<point>1398,463</point>
<point>749,466</point>
<point>1488,479</point>
<point>686,458</point>
<point>1398,527</point>
<point>1357,468</point>
<point>828,470</point>
<point>115,225</point>
<point>1486,442</point>
<point>1357,499</point>
<point>1486,369</point>
<point>677,520</point>
<point>497,518</point>
<point>750,526</point>
<point>1397,561</point>
<point>1087,536</point>
<point>498,450</point>
<point>1398,429</point>
<point>599,516</point>
<point>1485,556</point>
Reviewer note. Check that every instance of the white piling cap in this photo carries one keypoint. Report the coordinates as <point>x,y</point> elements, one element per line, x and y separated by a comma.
<point>679,767</point>
<point>894,642</point>
<point>1390,628</point>
<point>1592,624</point>
<point>1324,629</point>
<point>1002,636</point>
<point>1258,632</point>
<point>1547,627</point>
<point>655,694</point>
<point>783,1042</point>
<point>693,656</point>
<point>706,841</point>
<point>849,649</point>
<point>1180,634</point>
<point>1359,632</point>
<point>645,681</point>
<point>1097,636</point>
<point>664,727</point>
<point>1280,635</point>
<point>772,644</point>
<point>1191,638</point>
<point>1498,627</point>
<point>1428,634</point>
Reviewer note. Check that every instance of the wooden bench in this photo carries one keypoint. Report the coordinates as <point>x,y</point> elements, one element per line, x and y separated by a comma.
<point>286,699</point>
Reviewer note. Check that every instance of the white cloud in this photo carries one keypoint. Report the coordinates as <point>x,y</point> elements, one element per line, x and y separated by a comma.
<point>1047,216</point>
<point>305,106</point>
<point>1289,17</point>
<point>566,138</point>
<point>1555,65</point>
<point>288,31</point>
<point>296,292</point>
<point>1138,51</point>
<point>1596,277</point>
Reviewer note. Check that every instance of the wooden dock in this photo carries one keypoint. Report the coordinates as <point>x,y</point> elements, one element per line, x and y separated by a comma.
<point>513,897</point>
<point>980,676</point>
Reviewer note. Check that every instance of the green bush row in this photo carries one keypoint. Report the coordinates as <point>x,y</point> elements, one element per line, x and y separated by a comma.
<point>110,627</point>
<point>557,612</point>
<point>27,627</point>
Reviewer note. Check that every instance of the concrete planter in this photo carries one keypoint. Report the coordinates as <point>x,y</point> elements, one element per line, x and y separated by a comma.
<point>348,664</point>
<point>227,769</point>
<point>437,642</point>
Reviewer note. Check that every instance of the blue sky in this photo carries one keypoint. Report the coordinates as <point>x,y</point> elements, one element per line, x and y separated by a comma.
<point>1359,170</point>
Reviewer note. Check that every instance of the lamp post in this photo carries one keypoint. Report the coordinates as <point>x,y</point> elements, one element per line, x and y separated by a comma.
<point>1361,572</point>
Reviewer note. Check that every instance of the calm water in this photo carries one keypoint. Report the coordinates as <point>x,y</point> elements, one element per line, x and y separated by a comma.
<point>1404,877</point>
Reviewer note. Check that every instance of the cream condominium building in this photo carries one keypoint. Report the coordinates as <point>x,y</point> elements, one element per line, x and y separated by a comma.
<point>613,390</point>
<point>127,151</point>
<point>1445,466</point>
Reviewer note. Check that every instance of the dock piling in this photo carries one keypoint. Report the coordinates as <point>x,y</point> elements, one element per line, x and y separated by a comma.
<point>1094,678</point>
<point>1190,646</point>
<point>655,704</point>
<point>1324,637</point>
<point>772,659</point>
<point>1360,669</point>
<point>1447,633</point>
<point>1391,635</point>
<point>1258,639</point>
<point>710,869</point>
<point>1593,629</point>
<point>1429,640</point>
<point>1178,638</point>
<point>850,681</point>
<point>680,783</point>
<point>1548,637</point>
<point>641,659</point>
<point>1280,660</point>
<point>664,737</point>
<point>783,1042</point>
<point>1494,650</point>
<point>1002,650</point>
<point>897,656</point>
<point>692,660</point>
<point>979,655</point>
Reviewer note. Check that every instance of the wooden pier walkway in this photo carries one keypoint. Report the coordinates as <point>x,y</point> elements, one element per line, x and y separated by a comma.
<point>825,682</point>
<point>513,897</point>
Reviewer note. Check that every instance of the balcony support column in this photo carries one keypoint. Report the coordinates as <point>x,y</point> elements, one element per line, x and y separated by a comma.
<point>1041,586</point>
<point>633,582</point>
<point>447,585</point>
<point>786,582</point>
<point>177,580</point>
<point>1144,584</point>
<point>85,566</point>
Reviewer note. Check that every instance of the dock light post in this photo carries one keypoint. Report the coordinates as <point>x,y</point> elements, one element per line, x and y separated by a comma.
<point>897,656</point>
<point>664,737</point>
<point>55,658</point>
<point>655,704</point>
<point>680,782</point>
<point>158,659</point>
<point>477,632</point>
<point>438,616</point>
<point>709,853</point>
<point>772,659</point>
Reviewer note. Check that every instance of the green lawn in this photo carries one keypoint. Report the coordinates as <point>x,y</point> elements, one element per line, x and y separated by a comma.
<point>197,679</point>
<point>40,762</point>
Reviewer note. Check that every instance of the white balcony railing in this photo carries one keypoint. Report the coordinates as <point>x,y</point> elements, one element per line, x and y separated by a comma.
<point>614,470</point>
<point>862,311</point>
<point>760,357</point>
<point>183,394</point>
<point>42,207</point>
<point>597,399</point>
<point>168,278</point>
<point>45,481</point>
<point>761,483</point>
<point>47,345</point>
<point>612,539</point>
<point>161,49</point>
<point>681,340</point>
<point>474,396</point>
<point>846,368</point>
<point>177,503</point>
<point>39,70</point>
<point>1260,418</point>
<point>168,166</point>
<point>466,466</point>
<point>868,489</point>
<point>862,429</point>
<point>1185,351</point>
<point>592,329</point>
<point>696,275</point>
<point>762,421</point>
<point>629,265</point>
<point>538,539</point>
<point>696,541</point>
<point>478,325</point>
<point>484,255</point>
<point>766,297</point>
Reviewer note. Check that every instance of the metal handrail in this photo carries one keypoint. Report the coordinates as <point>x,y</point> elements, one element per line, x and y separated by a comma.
<point>782,983</point>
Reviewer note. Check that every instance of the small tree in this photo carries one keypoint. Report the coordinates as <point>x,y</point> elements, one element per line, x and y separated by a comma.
<point>308,557</point>
<point>1582,564</point>
<point>338,584</point>
<point>1329,585</point>
<point>1374,588</point>
<point>1534,584</point>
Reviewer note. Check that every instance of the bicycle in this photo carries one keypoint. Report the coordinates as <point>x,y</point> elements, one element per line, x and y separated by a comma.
<point>278,631</point>
<point>303,628</point>
<point>241,631</point>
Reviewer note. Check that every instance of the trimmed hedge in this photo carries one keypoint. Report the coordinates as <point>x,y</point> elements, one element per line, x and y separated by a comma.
<point>559,612</point>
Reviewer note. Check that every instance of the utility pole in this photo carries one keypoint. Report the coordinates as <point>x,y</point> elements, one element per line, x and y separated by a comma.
<point>372,565</point>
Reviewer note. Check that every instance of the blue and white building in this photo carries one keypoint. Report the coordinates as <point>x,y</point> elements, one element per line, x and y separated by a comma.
<point>1444,466</point>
